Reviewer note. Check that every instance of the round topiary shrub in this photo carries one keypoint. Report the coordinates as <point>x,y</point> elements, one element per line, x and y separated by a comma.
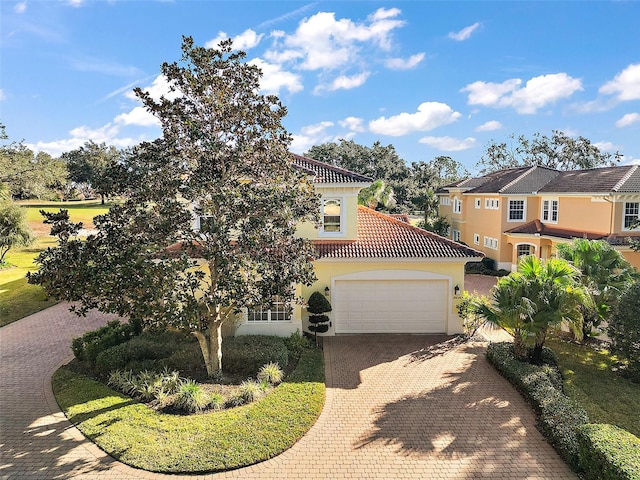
<point>318,306</point>
<point>624,330</point>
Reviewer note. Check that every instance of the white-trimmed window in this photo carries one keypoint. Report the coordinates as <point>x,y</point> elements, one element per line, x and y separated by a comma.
<point>455,235</point>
<point>332,215</point>
<point>445,201</point>
<point>205,224</point>
<point>491,203</point>
<point>478,203</point>
<point>525,249</point>
<point>476,239</point>
<point>516,211</point>
<point>550,211</point>
<point>278,311</point>
<point>457,205</point>
<point>491,243</point>
<point>631,215</point>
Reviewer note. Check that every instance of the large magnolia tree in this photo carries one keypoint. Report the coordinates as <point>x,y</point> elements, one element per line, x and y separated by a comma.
<point>224,157</point>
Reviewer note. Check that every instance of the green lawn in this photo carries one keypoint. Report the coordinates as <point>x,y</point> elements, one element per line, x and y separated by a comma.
<point>17,298</point>
<point>144,438</point>
<point>607,397</point>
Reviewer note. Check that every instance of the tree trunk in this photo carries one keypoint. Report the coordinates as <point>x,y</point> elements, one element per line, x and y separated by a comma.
<point>536,355</point>
<point>211,347</point>
<point>519,347</point>
<point>102,198</point>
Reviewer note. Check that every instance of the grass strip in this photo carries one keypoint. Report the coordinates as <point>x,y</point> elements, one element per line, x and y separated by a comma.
<point>588,379</point>
<point>143,438</point>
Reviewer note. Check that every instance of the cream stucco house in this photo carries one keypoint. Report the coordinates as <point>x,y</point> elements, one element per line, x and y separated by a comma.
<point>530,210</point>
<point>381,274</point>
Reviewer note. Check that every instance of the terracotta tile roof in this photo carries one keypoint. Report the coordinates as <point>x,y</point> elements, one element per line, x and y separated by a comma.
<point>595,180</point>
<point>326,173</point>
<point>403,217</point>
<point>536,227</point>
<point>382,236</point>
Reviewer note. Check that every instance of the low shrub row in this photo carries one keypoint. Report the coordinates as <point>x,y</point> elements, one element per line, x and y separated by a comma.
<point>244,355</point>
<point>87,347</point>
<point>603,452</point>
<point>608,452</point>
<point>542,387</point>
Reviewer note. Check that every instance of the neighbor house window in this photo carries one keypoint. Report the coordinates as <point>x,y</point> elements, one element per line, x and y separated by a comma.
<point>476,239</point>
<point>491,203</point>
<point>457,205</point>
<point>631,213</point>
<point>332,215</point>
<point>550,211</point>
<point>524,249</point>
<point>516,210</point>
<point>445,201</point>
<point>278,311</point>
<point>455,234</point>
<point>478,203</point>
<point>491,243</point>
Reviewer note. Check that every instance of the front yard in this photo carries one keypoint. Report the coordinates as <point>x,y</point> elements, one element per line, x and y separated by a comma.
<point>588,379</point>
<point>17,298</point>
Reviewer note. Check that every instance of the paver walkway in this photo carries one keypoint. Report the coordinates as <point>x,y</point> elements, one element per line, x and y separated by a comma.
<point>403,406</point>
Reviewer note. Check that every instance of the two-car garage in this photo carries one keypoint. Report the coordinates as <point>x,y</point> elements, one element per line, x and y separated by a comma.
<point>390,301</point>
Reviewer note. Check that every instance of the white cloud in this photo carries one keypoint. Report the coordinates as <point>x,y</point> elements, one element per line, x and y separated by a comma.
<point>139,116</point>
<point>76,3</point>
<point>626,84</point>
<point>158,88</point>
<point>489,126</point>
<point>274,78</point>
<point>628,119</point>
<point>538,92</point>
<point>246,40</point>
<point>449,144</point>
<point>20,7</point>
<point>311,135</point>
<point>465,33</point>
<point>354,124</point>
<point>345,82</point>
<point>79,136</point>
<point>607,146</point>
<point>404,63</point>
<point>104,67</point>
<point>322,42</point>
<point>3,96</point>
<point>429,116</point>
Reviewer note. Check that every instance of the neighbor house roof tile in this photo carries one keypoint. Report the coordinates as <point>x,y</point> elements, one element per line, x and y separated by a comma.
<point>326,173</point>
<point>382,236</point>
<point>593,180</point>
<point>536,227</point>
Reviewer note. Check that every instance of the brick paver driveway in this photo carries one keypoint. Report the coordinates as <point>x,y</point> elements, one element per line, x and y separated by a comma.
<point>397,407</point>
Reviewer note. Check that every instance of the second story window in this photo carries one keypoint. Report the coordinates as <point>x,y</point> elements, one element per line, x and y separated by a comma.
<point>457,205</point>
<point>516,211</point>
<point>631,214</point>
<point>550,211</point>
<point>206,224</point>
<point>445,201</point>
<point>455,234</point>
<point>332,215</point>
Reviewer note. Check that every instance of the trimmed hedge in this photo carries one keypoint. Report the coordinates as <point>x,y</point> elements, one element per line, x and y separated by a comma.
<point>246,354</point>
<point>560,416</point>
<point>87,347</point>
<point>608,452</point>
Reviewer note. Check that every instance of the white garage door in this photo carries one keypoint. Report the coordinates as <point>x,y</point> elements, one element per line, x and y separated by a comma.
<point>390,306</point>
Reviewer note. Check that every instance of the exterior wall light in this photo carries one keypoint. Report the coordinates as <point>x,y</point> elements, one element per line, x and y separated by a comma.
<point>326,291</point>
<point>456,290</point>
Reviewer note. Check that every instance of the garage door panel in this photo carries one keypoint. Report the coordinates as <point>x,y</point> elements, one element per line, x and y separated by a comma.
<point>390,306</point>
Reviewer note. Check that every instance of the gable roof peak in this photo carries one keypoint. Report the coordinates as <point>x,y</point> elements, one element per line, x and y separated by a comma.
<point>326,172</point>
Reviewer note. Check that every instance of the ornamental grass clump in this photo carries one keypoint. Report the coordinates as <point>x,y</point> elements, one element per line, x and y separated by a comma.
<point>270,374</point>
<point>191,397</point>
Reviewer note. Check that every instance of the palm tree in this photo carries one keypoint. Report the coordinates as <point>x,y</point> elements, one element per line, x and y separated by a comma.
<point>378,193</point>
<point>538,296</point>
<point>605,275</point>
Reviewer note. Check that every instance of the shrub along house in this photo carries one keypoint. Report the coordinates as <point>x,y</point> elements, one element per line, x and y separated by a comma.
<point>380,274</point>
<point>529,210</point>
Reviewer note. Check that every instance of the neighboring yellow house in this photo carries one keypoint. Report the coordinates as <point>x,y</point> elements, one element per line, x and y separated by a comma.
<point>530,210</point>
<point>381,274</point>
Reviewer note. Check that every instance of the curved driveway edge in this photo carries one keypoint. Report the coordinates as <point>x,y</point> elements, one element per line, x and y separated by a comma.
<point>398,406</point>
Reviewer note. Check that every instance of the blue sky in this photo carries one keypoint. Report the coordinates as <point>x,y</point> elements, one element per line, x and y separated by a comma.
<point>431,78</point>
